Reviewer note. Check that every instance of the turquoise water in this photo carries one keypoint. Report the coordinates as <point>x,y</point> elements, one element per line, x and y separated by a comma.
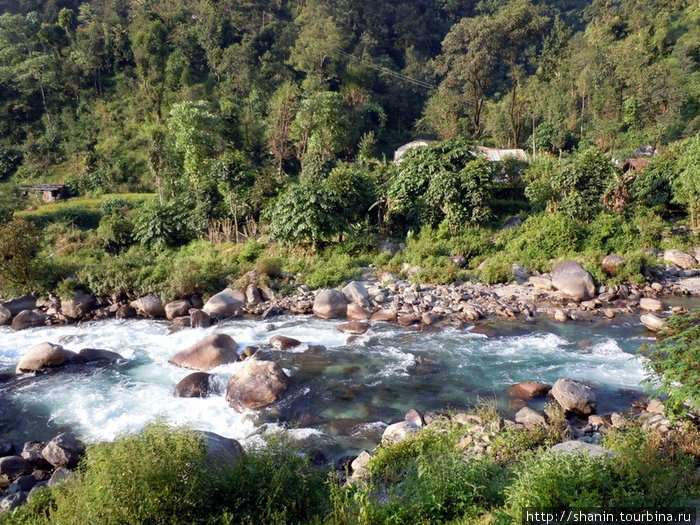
<point>341,396</point>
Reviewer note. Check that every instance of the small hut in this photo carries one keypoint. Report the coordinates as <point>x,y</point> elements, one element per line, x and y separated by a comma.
<point>47,192</point>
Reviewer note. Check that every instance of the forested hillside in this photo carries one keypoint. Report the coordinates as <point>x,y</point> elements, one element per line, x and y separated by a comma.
<point>248,117</point>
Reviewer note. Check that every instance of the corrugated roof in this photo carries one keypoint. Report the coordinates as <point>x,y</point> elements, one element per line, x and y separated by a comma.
<point>498,155</point>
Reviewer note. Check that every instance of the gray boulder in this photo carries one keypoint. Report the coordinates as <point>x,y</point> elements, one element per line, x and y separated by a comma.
<point>149,305</point>
<point>28,319</point>
<point>221,451</point>
<point>92,355</point>
<point>580,447</point>
<point>253,294</point>
<point>680,258</point>
<point>652,322</point>
<point>574,397</point>
<point>25,302</point>
<point>399,432</point>
<point>125,312</point>
<point>31,451</point>
<point>611,264</point>
<point>60,475</point>
<point>42,356</point>
<point>213,351</point>
<point>78,306</point>
<point>12,467</point>
<point>199,319</point>
<point>281,342</point>
<point>21,484</point>
<point>197,384</point>
<point>330,304</point>
<point>651,305</point>
<point>226,303</point>
<point>256,385</point>
<point>572,279</point>
<point>65,450</point>
<point>177,308</point>
<point>13,501</point>
<point>529,417</point>
<point>5,315</point>
<point>356,293</point>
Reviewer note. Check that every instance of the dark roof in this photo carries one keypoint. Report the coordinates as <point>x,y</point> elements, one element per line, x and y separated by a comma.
<point>44,187</point>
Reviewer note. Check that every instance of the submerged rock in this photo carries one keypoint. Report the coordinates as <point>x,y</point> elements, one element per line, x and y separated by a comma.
<point>213,351</point>
<point>91,355</point>
<point>353,327</point>
<point>256,385</point>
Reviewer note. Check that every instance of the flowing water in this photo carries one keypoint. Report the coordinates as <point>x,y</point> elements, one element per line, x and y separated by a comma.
<point>342,394</point>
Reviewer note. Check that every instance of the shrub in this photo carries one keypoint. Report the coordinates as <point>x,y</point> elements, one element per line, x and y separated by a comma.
<point>18,247</point>
<point>116,231</point>
<point>672,367</point>
<point>159,225</point>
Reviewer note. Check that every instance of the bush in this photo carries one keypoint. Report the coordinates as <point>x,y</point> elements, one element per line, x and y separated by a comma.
<point>159,225</point>
<point>18,247</point>
<point>672,367</point>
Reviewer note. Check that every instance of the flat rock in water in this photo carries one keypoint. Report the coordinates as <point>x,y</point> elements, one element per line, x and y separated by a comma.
<point>213,351</point>
<point>42,356</point>
<point>579,447</point>
<point>91,355</point>
<point>281,342</point>
<point>384,315</point>
<point>354,327</point>
<point>256,385</point>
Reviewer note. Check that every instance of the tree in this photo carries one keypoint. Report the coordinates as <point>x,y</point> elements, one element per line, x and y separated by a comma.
<point>150,50</point>
<point>282,109</point>
<point>320,125</point>
<point>686,184</point>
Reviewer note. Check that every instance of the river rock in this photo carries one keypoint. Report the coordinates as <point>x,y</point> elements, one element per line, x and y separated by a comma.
<point>25,302</point>
<point>652,322</point>
<point>91,355</point>
<point>519,273</point>
<point>177,308</point>
<point>529,417</point>
<point>78,306</point>
<point>354,327</point>
<point>560,315</point>
<point>125,312</point>
<point>221,451</point>
<point>541,283</point>
<point>529,389</point>
<point>574,397</point>
<point>611,264</point>
<point>28,319</point>
<point>572,279</point>
<point>43,355</point>
<point>281,342</point>
<point>31,451</point>
<point>384,315</point>
<point>199,319</point>
<point>149,305</point>
<point>408,319</point>
<point>680,258</point>
<point>12,501</point>
<point>458,260</point>
<point>65,450</point>
<point>226,303</point>
<point>256,385</point>
<point>358,465</point>
<point>330,304</point>
<point>5,315</point>
<point>12,467</point>
<point>215,350</point>
<point>60,475</point>
<point>356,293</point>
<point>21,484</point>
<point>399,432</point>
<point>651,305</point>
<point>253,294</point>
<point>415,417</point>
<point>578,447</point>
<point>357,313</point>
<point>196,384</point>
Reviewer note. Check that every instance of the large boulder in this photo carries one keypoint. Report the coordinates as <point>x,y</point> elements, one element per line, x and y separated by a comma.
<point>150,305</point>
<point>399,431</point>
<point>354,327</point>
<point>12,467</point>
<point>652,322</point>
<point>256,385</point>
<point>78,306</point>
<point>226,303</point>
<point>5,315</point>
<point>611,264</point>
<point>281,342</point>
<point>25,302</point>
<point>574,397</point>
<point>65,450</point>
<point>529,417</point>
<point>330,304</point>
<point>43,355</point>
<point>253,294</point>
<point>221,451</point>
<point>356,293</point>
<point>679,258</point>
<point>529,389</point>
<point>651,305</point>
<point>94,355</point>
<point>197,384</point>
<point>28,319</point>
<point>199,319</point>
<point>177,308</point>
<point>215,350</point>
<point>357,313</point>
<point>572,279</point>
